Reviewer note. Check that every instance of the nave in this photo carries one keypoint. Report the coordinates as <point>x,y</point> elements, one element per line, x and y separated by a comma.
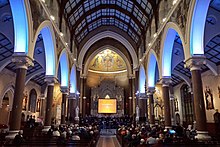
<point>108,141</point>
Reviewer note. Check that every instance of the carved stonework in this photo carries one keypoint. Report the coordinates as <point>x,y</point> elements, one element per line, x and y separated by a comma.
<point>157,47</point>
<point>107,89</point>
<point>38,14</point>
<point>22,61</point>
<point>59,44</point>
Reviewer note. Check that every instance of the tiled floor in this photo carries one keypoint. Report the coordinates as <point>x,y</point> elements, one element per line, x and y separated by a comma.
<point>108,141</point>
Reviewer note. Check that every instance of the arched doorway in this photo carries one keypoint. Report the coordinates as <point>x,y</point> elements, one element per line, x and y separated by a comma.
<point>187,105</point>
<point>32,101</point>
<point>5,110</point>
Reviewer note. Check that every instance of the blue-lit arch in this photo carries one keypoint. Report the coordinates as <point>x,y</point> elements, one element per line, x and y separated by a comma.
<point>142,79</point>
<point>46,30</point>
<point>20,20</point>
<point>151,70</point>
<point>73,86</point>
<point>64,69</point>
<point>197,28</point>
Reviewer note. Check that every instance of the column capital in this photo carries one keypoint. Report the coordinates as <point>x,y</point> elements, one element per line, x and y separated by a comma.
<point>195,62</point>
<point>131,76</point>
<point>172,97</point>
<point>22,61</point>
<point>150,90</point>
<point>165,81</point>
<point>83,76</point>
<point>64,89</point>
<point>51,80</point>
<point>72,96</point>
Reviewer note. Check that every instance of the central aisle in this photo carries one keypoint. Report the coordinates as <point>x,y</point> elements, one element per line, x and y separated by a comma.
<point>110,141</point>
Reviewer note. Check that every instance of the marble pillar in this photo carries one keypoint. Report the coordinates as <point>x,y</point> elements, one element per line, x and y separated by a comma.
<point>64,91</point>
<point>150,93</point>
<point>22,63</point>
<point>195,65</point>
<point>165,95</point>
<point>49,101</point>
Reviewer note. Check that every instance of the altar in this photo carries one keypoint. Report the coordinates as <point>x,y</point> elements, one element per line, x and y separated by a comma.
<point>107,90</point>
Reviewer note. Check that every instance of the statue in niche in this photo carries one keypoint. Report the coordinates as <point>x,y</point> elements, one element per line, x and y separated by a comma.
<point>77,112</point>
<point>137,113</point>
<point>209,98</point>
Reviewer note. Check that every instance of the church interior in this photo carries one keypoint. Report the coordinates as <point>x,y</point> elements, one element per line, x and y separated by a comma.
<point>109,72</point>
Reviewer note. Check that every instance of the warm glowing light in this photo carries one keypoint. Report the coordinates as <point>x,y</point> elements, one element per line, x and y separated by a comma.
<point>107,106</point>
<point>52,17</point>
<point>174,2</point>
<point>61,34</point>
<point>43,1</point>
<point>164,19</point>
<point>155,35</point>
<point>149,44</point>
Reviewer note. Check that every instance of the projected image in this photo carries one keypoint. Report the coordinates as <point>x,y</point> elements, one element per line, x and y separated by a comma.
<point>107,106</point>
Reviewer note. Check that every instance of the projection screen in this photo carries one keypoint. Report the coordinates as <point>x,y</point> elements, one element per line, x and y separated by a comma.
<point>107,106</point>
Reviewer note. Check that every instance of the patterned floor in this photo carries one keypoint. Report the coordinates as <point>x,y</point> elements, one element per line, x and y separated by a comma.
<point>108,141</point>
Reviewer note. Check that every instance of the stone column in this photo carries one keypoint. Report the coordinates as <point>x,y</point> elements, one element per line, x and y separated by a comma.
<point>166,98</point>
<point>83,96</point>
<point>130,102</point>
<point>49,101</point>
<point>71,107</point>
<point>22,63</point>
<point>142,103</point>
<point>195,64</point>
<point>64,91</point>
<point>84,106</point>
<point>172,105</point>
<point>150,93</point>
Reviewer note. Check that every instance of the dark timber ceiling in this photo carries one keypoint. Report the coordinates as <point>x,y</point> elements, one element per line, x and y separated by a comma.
<point>131,16</point>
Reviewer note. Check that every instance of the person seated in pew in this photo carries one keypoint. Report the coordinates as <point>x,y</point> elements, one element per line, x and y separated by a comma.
<point>75,136</point>
<point>18,140</point>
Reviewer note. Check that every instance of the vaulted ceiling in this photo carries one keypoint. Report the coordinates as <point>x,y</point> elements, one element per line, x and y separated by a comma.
<point>87,16</point>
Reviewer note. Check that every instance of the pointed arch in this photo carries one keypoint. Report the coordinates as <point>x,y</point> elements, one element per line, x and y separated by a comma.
<point>168,38</point>
<point>151,69</point>
<point>64,68</point>
<point>47,32</point>
<point>73,82</point>
<point>11,90</point>
<point>128,65</point>
<point>142,79</point>
<point>110,34</point>
<point>21,26</point>
<point>197,20</point>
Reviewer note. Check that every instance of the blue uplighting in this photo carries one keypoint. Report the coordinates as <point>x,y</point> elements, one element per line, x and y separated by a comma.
<point>198,27</point>
<point>20,26</point>
<point>64,67</point>
<point>142,79</point>
<point>49,51</point>
<point>73,80</point>
<point>151,71</point>
<point>167,52</point>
